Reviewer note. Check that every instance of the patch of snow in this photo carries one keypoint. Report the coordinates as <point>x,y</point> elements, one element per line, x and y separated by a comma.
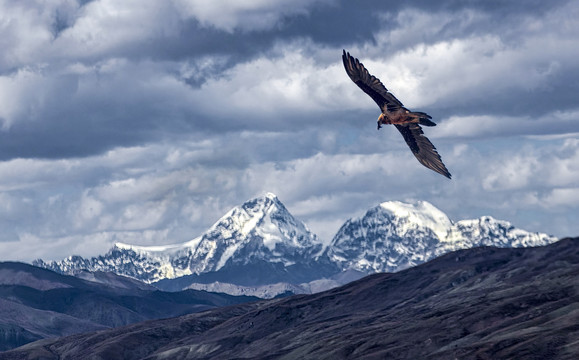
<point>159,248</point>
<point>423,213</point>
<point>270,234</point>
<point>249,224</point>
<point>227,254</point>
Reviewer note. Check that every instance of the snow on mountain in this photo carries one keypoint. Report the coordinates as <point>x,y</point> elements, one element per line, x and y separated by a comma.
<point>259,231</point>
<point>420,213</point>
<point>270,291</point>
<point>396,235</point>
<point>260,228</point>
<point>259,248</point>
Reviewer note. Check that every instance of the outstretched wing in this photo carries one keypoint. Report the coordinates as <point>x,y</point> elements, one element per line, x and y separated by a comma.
<point>370,84</point>
<point>422,148</point>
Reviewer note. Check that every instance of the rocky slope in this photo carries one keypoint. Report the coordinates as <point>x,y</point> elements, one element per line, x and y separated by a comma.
<point>483,303</point>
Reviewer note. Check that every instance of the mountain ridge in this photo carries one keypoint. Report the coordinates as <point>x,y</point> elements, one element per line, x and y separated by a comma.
<point>260,243</point>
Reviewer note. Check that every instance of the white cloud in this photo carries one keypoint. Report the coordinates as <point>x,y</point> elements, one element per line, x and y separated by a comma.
<point>442,60</point>
<point>55,31</point>
<point>104,25</point>
<point>25,28</point>
<point>25,94</point>
<point>567,197</point>
<point>510,172</point>
<point>285,81</point>
<point>65,31</point>
<point>89,209</point>
<point>490,126</point>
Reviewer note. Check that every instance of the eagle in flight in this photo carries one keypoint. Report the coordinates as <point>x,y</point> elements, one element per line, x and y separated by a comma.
<point>393,112</point>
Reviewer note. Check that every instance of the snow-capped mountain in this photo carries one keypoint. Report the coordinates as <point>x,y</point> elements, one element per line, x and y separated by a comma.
<point>396,235</point>
<point>260,248</point>
<point>255,243</point>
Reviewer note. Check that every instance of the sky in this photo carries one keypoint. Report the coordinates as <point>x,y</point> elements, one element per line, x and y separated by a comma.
<point>144,122</point>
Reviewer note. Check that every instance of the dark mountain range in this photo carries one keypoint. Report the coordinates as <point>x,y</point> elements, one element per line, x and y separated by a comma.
<point>481,303</point>
<point>37,303</point>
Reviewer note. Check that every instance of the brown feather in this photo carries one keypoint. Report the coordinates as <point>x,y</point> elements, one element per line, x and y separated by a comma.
<point>370,84</point>
<point>422,148</point>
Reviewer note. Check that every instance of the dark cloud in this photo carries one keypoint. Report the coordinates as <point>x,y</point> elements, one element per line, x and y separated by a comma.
<point>126,108</point>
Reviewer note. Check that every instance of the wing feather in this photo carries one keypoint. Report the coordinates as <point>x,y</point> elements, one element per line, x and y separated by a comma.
<point>370,84</point>
<point>422,148</point>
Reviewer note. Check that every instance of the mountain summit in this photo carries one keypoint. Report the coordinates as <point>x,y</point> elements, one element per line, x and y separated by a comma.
<point>260,236</point>
<point>395,235</point>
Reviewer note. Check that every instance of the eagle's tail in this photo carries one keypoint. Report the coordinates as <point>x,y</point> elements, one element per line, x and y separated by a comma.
<point>423,118</point>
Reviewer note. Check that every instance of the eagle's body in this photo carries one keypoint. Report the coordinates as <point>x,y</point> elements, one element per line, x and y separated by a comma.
<point>393,112</point>
<point>400,117</point>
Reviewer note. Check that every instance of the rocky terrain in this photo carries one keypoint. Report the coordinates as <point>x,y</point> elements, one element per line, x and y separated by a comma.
<point>481,303</point>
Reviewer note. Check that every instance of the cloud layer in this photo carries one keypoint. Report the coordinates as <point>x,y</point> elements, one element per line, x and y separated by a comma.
<point>145,122</point>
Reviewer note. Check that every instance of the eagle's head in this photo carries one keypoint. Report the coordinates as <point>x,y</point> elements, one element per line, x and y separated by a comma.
<point>380,120</point>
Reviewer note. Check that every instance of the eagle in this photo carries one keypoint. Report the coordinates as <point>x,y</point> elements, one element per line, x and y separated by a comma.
<point>393,112</point>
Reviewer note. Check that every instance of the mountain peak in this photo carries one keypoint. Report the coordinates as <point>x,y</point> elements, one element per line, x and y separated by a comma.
<point>252,214</point>
<point>420,212</point>
<point>246,217</point>
<point>259,231</point>
<point>395,235</point>
<point>270,196</point>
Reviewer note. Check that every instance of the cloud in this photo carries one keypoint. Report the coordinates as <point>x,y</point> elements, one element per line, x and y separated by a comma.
<point>146,122</point>
<point>489,126</point>
<point>231,15</point>
<point>511,173</point>
<point>566,197</point>
<point>109,78</point>
<point>177,199</point>
<point>484,72</point>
